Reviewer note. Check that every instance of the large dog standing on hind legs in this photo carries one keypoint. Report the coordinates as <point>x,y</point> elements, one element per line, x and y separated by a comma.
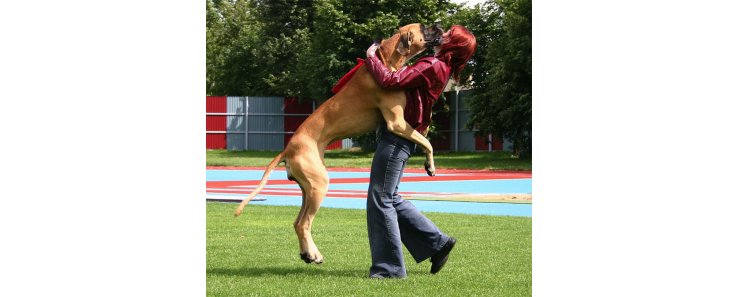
<point>359,107</point>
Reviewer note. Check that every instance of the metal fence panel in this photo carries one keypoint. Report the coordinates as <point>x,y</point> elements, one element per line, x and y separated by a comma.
<point>235,104</point>
<point>235,124</point>
<point>508,145</point>
<point>257,142</point>
<point>266,142</point>
<point>235,142</point>
<point>265,120</point>
<point>466,141</point>
<point>458,118</point>
<point>461,138</point>
<point>347,143</point>
<point>266,123</point>
<point>265,114</point>
<point>266,104</point>
<point>235,107</point>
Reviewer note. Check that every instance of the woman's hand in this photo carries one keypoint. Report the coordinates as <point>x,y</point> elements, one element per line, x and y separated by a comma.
<point>372,49</point>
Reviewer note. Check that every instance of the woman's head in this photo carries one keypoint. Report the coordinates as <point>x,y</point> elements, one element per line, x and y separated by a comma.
<point>458,46</point>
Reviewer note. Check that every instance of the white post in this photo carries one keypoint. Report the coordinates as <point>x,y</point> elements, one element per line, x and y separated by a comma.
<point>457,118</point>
<point>490,142</point>
<point>246,123</point>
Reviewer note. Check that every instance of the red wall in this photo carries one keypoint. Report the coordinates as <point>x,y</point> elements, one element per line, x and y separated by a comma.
<point>481,143</point>
<point>292,106</point>
<point>291,123</point>
<point>216,141</point>
<point>336,145</point>
<point>215,104</point>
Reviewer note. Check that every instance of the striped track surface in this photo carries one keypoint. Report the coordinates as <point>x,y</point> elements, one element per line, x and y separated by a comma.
<point>348,188</point>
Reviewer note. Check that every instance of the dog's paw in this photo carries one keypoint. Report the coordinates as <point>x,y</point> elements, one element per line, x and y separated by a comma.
<point>429,168</point>
<point>305,258</point>
<point>308,259</point>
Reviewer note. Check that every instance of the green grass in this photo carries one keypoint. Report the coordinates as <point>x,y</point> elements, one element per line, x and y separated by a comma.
<point>345,158</point>
<point>257,255</point>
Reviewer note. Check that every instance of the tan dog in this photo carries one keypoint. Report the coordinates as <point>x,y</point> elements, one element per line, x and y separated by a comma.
<point>359,107</point>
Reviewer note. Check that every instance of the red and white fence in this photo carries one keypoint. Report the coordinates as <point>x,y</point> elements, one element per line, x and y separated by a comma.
<point>267,123</point>
<point>254,123</point>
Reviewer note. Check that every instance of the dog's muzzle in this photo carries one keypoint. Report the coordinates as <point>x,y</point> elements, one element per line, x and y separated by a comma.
<point>432,35</point>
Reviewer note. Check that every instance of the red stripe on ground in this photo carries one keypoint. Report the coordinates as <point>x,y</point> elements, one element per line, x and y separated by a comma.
<point>335,194</point>
<point>354,180</point>
<point>278,193</point>
<point>298,191</point>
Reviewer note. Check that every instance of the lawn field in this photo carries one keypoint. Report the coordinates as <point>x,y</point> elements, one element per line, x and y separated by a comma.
<point>257,255</point>
<point>345,158</point>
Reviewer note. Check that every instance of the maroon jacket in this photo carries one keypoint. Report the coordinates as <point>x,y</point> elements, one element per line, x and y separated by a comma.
<point>423,82</point>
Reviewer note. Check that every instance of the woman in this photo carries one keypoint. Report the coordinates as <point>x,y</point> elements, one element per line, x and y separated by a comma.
<point>390,219</point>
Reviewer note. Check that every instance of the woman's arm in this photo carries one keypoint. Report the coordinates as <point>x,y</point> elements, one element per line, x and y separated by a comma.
<point>407,77</point>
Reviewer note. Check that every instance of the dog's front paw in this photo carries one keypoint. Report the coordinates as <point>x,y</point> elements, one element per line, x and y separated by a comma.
<point>429,167</point>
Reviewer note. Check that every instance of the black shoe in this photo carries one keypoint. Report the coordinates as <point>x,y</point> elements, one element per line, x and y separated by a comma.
<point>440,258</point>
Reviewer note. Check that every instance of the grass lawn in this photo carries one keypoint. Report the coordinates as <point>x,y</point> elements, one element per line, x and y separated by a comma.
<point>345,158</point>
<point>257,255</point>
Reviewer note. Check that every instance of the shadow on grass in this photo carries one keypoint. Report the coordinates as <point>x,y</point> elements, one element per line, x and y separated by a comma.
<point>285,271</point>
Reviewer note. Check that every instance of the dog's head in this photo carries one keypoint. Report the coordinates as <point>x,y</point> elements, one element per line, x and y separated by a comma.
<point>409,41</point>
<point>433,35</point>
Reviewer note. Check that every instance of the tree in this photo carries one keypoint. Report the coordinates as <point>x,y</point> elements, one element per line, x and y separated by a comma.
<point>298,47</point>
<point>341,31</point>
<point>502,72</point>
<point>284,38</point>
<point>232,38</point>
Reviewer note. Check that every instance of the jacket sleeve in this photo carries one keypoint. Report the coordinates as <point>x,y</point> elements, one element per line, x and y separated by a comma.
<point>407,77</point>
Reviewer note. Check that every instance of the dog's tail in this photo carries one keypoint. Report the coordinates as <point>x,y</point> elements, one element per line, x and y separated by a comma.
<point>268,170</point>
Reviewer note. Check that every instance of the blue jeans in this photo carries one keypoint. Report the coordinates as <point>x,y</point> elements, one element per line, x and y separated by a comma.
<point>392,220</point>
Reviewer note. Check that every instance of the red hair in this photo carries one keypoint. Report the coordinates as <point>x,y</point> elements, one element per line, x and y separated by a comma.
<point>458,49</point>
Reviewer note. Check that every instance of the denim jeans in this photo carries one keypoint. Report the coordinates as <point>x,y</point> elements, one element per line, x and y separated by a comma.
<point>392,220</point>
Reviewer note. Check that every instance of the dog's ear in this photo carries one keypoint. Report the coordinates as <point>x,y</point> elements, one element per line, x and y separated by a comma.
<point>404,43</point>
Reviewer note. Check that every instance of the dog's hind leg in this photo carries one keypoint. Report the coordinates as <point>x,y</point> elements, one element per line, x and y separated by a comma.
<point>314,198</point>
<point>301,243</point>
<point>314,181</point>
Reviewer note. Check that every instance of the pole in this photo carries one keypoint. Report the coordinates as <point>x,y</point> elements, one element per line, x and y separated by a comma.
<point>490,142</point>
<point>457,117</point>
<point>246,123</point>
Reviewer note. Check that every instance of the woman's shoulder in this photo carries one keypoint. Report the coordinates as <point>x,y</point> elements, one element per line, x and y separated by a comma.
<point>433,65</point>
<point>430,62</point>
<point>428,59</point>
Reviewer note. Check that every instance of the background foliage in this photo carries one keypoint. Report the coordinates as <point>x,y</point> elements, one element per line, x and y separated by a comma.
<point>301,48</point>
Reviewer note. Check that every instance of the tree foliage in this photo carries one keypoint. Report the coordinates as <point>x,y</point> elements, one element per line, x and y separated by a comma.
<point>502,70</point>
<point>299,47</point>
